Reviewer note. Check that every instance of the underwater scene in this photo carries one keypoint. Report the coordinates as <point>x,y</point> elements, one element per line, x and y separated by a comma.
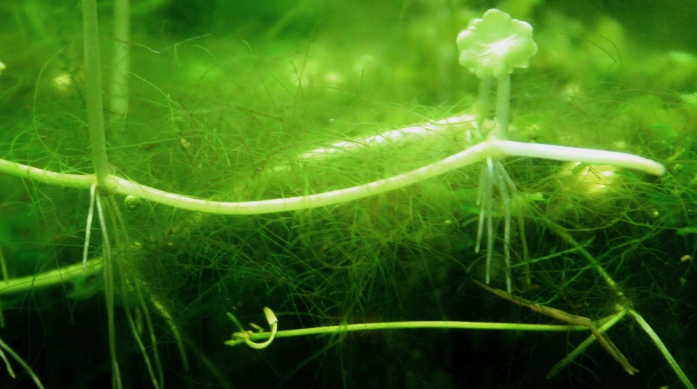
<point>348,194</point>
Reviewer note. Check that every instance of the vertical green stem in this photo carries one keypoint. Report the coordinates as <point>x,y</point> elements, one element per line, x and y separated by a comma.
<point>93,93</point>
<point>482,110</point>
<point>503,104</point>
<point>95,121</point>
<point>118,95</point>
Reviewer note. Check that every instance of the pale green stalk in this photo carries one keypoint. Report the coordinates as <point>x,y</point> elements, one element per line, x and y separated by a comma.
<point>488,149</point>
<point>109,293</point>
<point>415,133</point>
<point>662,347</point>
<point>503,104</point>
<point>574,154</point>
<point>25,365</point>
<point>51,277</point>
<point>614,319</point>
<point>118,93</point>
<point>93,93</point>
<point>483,98</point>
<point>95,122</point>
<point>459,325</point>
<point>639,319</point>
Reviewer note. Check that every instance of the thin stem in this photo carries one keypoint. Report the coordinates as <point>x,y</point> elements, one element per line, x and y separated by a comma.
<point>639,319</point>
<point>109,291</point>
<point>590,258</point>
<point>143,350</point>
<point>488,214</point>
<point>393,137</point>
<point>662,347</point>
<point>467,157</point>
<point>485,201</point>
<point>88,228</point>
<point>503,105</point>
<point>488,149</point>
<point>569,318</point>
<point>5,276</point>
<point>483,99</point>
<point>118,99</point>
<point>179,339</point>
<point>93,93</point>
<point>574,154</point>
<point>502,180</point>
<point>607,324</point>
<point>51,277</point>
<point>25,365</point>
<point>461,325</point>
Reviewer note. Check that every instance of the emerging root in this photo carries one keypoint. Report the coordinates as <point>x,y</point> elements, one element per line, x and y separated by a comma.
<point>494,175</point>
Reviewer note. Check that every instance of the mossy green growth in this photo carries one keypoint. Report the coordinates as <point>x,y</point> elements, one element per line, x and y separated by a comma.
<point>231,116</point>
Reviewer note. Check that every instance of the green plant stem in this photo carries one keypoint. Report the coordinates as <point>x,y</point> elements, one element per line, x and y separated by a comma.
<point>80,181</point>
<point>503,104</point>
<point>590,258</point>
<point>461,325</point>
<point>467,157</point>
<point>488,149</point>
<point>662,347</point>
<point>639,319</point>
<point>51,277</point>
<point>607,324</point>
<point>416,133</point>
<point>575,154</point>
<point>118,95</point>
<point>569,318</point>
<point>25,365</point>
<point>483,99</point>
<point>109,293</point>
<point>93,93</point>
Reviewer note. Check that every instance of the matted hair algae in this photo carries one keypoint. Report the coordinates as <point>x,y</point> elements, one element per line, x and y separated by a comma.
<point>333,171</point>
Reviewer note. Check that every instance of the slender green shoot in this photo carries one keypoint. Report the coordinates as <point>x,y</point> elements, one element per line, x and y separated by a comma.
<point>249,337</point>
<point>93,93</point>
<point>52,277</point>
<point>109,290</point>
<point>88,228</point>
<point>662,347</point>
<point>491,148</point>
<point>25,365</point>
<point>118,98</point>
<point>633,313</point>
<point>607,324</point>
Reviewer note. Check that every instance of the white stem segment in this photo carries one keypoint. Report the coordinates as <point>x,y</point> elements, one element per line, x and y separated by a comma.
<point>503,104</point>
<point>463,158</point>
<point>483,98</point>
<point>118,95</point>
<point>488,149</point>
<point>574,154</point>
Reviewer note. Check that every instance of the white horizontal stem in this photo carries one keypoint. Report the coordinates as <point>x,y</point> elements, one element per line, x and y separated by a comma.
<point>574,154</point>
<point>394,137</point>
<point>488,149</point>
<point>82,181</point>
<point>463,158</point>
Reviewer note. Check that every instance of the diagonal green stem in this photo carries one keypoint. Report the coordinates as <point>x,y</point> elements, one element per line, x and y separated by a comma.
<point>639,319</point>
